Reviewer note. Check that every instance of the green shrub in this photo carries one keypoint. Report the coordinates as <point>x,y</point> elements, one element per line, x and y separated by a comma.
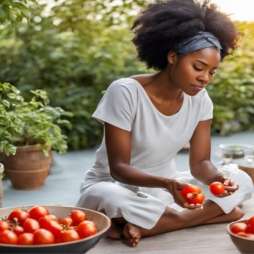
<point>233,88</point>
<point>29,122</point>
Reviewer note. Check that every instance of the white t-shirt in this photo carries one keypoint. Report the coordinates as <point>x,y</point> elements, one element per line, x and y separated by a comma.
<point>156,137</point>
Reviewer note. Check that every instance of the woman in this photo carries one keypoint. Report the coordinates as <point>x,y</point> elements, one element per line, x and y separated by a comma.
<point>149,118</point>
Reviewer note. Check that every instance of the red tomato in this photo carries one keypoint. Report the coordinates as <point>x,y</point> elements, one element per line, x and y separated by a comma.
<point>77,216</point>
<point>238,227</point>
<point>18,230</point>
<point>8,237</point>
<point>250,224</point>
<point>3,225</point>
<point>36,212</point>
<point>58,239</point>
<point>67,221</point>
<point>50,217</point>
<point>217,188</point>
<point>190,188</point>
<point>43,236</point>
<point>196,199</point>
<point>30,225</point>
<point>86,228</point>
<point>18,215</point>
<point>44,221</point>
<point>69,235</point>
<point>193,194</point>
<point>52,226</point>
<point>26,239</point>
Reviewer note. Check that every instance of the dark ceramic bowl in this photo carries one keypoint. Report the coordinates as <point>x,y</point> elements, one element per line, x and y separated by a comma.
<point>101,221</point>
<point>243,244</point>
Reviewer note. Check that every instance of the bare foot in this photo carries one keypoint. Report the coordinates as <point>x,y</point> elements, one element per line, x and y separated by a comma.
<point>114,231</point>
<point>131,234</point>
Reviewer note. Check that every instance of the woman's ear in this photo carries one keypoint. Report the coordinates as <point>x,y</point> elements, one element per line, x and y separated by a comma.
<point>172,57</point>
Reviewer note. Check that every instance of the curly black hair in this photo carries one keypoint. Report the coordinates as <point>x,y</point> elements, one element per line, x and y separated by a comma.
<point>160,27</point>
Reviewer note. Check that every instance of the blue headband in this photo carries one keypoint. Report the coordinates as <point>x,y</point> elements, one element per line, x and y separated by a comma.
<point>199,41</point>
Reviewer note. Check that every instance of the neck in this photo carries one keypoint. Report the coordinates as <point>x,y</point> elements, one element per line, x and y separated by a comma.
<point>164,87</point>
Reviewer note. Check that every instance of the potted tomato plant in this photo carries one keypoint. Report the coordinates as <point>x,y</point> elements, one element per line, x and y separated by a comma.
<point>30,130</point>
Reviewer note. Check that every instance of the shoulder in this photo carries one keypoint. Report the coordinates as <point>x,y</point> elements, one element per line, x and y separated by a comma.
<point>123,89</point>
<point>201,98</point>
<point>123,84</point>
<point>203,105</point>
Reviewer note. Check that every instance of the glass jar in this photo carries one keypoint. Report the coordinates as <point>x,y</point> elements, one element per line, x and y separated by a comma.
<point>249,155</point>
<point>247,163</point>
<point>230,153</point>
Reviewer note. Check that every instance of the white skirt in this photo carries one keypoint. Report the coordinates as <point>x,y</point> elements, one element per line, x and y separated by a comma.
<point>144,206</point>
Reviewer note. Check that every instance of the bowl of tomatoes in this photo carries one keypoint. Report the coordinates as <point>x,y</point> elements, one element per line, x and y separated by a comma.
<point>242,234</point>
<point>50,229</point>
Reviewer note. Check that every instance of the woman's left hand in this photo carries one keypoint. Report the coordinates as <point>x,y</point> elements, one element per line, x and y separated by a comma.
<point>229,186</point>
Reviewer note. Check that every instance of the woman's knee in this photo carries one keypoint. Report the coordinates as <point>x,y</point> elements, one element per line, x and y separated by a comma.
<point>101,195</point>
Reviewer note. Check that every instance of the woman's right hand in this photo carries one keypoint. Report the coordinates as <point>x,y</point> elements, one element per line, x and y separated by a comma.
<point>175,187</point>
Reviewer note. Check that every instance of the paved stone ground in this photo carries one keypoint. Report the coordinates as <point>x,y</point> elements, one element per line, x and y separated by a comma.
<point>62,187</point>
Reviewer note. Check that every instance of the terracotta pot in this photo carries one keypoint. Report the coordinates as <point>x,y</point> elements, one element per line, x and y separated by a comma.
<point>28,168</point>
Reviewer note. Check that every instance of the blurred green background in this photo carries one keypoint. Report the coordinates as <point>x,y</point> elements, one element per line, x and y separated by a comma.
<point>76,48</point>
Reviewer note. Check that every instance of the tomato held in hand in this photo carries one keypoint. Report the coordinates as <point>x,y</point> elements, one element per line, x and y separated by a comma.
<point>217,188</point>
<point>86,228</point>
<point>190,188</point>
<point>196,199</point>
<point>193,194</point>
<point>238,227</point>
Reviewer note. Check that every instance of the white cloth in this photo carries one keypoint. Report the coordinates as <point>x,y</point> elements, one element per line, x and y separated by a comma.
<point>156,139</point>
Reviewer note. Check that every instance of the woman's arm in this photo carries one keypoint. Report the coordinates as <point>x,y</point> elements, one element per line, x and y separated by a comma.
<point>200,149</point>
<point>118,143</point>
